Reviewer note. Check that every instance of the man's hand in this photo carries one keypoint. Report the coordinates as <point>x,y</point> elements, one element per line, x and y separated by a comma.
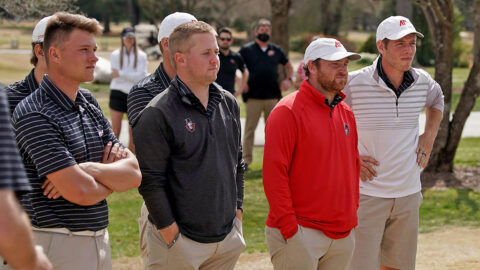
<point>424,149</point>
<point>50,190</point>
<point>285,85</point>
<point>367,170</point>
<point>113,153</point>
<point>169,233</point>
<point>115,73</point>
<point>41,261</point>
<point>239,214</point>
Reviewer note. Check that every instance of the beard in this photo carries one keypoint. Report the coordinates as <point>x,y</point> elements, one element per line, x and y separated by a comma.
<point>333,86</point>
<point>225,47</point>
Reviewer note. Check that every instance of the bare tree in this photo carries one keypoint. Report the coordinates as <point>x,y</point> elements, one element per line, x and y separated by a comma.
<point>404,8</point>
<point>439,14</point>
<point>37,8</point>
<point>280,34</point>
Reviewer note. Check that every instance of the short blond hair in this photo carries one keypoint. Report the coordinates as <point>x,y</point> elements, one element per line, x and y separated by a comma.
<point>61,24</point>
<point>180,39</point>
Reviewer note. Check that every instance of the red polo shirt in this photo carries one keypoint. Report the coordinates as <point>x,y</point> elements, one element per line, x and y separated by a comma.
<point>311,165</point>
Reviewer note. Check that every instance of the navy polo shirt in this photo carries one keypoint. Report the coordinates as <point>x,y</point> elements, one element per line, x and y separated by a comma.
<point>20,90</point>
<point>144,91</point>
<point>12,173</point>
<point>228,66</point>
<point>53,132</point>
<point>263,70</point>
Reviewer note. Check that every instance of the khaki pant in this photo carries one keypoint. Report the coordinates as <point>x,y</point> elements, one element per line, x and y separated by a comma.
<point>254,108</point>
<point>309,249</point>
<point>387,232</point>
<point>72,252</point>
<point>187,254</point>
<point>142,230</point>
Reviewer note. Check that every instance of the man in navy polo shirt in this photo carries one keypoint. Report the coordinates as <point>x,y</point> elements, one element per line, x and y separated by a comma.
<point>72,158</point>
<point>16,245</point>
<point>229,63</point>
<point>262,59</point>
<point>21,89</point>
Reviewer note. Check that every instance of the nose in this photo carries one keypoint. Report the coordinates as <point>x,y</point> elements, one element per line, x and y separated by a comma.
<point>214,59</point>
<point>93,58</point>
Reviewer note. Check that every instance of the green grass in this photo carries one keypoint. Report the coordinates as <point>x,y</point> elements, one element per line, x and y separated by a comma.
<point>468,153</point>
<point>457,207</point>
<point>440,208</point>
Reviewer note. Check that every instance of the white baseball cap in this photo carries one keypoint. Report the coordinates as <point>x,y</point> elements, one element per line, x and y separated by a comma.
<point>327,49</point>
<point>396,27</point>
<point>173,20</point>
<point>39,30</point>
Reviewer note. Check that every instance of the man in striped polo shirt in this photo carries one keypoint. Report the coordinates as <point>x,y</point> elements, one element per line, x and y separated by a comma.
<point>387,98</point>
<point>72,158</point>
<point>21,89</point>
<point>16,245</point>
<point>147,88</point>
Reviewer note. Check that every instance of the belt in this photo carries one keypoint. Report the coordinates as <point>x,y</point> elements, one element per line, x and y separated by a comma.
<point>67,231</point>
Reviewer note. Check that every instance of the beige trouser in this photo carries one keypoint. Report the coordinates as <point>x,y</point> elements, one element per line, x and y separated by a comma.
<point>72,252</point>
<point>142,230</point>
<point>309,249</point>
<point>254,108</point>
<point>387,232</point>
<point>187,254</point>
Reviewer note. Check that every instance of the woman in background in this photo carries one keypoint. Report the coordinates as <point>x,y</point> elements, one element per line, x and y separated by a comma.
<point>129,65</point>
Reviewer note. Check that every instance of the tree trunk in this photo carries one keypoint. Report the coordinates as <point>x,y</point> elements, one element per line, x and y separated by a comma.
<point>325,15</point>
<point>404,8</point>
<point>334,24</point>
<point>440,19</point>
<point>133,12</point>
<point>106,22</point>
<point>280,35</point>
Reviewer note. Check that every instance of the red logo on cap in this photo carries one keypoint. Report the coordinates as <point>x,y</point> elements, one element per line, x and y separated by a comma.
<point>338,44</point>
<point>403,22</point>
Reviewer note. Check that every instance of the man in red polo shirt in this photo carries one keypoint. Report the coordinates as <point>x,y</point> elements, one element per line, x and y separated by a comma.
<point>311,167</point>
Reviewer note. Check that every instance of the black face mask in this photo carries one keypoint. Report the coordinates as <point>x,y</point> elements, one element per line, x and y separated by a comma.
<point>263,37</point>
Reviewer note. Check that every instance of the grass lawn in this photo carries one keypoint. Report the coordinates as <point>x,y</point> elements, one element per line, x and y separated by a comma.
<point>439,208</point>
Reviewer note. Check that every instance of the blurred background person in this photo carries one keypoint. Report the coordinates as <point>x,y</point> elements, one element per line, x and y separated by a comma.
<point>129,65</point>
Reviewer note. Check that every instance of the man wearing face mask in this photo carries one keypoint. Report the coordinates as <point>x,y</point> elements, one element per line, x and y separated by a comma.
<point>262,91</point>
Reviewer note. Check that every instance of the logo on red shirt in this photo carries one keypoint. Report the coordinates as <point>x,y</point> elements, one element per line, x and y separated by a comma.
<point>403,22</point>
<point>347,130</point>
<point>338,44</point>
<point>190,125</point>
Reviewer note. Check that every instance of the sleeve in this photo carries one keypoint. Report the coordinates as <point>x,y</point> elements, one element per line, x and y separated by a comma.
<point>12,173</point>
<point>283,57</point>
<point>137,100</point>
<point>357,159</point>
<point>240,179</point>
<point>115,60</point>
<point>240,62</point>
<point>137,74</point>
<point>153,152</point>
<point>280,141</point>
<point>435,97</point>
<point>42,141</point>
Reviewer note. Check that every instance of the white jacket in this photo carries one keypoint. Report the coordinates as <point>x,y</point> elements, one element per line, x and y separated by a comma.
<point>388,128</point>
<point>128,75</point>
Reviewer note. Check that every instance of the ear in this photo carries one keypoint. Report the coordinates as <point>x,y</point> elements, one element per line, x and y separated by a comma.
<point>164,42</point>
<point>180,59</point>
<point>312,67</point>
<point>54,55</point>
<point>380,47</point>
<point>38,51</point>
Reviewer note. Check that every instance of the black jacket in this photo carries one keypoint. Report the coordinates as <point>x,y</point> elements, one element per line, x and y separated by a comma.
<point>191,161</point>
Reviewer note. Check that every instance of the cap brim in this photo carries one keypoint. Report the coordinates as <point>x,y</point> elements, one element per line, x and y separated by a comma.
<point>340,55</point>
<point>129,35</point>
<point>403,33</point>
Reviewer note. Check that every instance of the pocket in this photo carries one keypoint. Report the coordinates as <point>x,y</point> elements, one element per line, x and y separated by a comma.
<point>174,241</point>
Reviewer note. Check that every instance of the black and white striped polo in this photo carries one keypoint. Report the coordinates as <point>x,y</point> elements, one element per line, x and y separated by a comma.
<point>20,90</point>
<point>12,173</point>
<point>144,91</point>
<point>53,132</point>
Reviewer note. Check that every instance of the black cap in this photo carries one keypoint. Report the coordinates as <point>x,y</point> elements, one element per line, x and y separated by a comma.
<point>128,32</point>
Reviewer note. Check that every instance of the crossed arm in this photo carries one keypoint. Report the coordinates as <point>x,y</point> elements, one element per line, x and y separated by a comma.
<point>91,182</point>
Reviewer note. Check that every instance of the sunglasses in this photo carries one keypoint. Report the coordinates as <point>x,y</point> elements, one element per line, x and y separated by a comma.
<point>225,39</point>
